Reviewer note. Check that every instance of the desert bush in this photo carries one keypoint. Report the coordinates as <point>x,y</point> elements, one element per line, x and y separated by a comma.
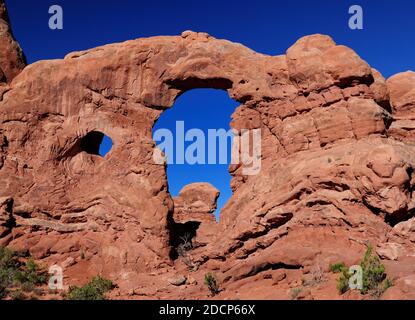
<point>377,292</point>
<point>212,283</point>
<point>28,287</point>
<point>373,271</point>
<point>337,267</point>
<point>343,281</point>
<point>183,249</point>
<point>17,295</point>
<point>16,275</point>
<point>185,245</point>
<point>31,274</point>
<point>9,266</point>
<point>93,290</point>
<point>374,279</point>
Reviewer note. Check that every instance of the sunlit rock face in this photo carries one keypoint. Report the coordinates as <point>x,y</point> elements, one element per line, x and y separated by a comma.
<point>337,159</point>
<point>12,60</point>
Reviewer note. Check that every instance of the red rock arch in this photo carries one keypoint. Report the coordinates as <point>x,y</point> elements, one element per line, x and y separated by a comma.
<point>331,160</point>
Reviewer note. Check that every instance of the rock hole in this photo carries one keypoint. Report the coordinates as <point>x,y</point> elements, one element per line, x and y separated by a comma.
<point>203,110</point>
<point>182,235</point>
<point>105,146</point>
<point>96,143</point>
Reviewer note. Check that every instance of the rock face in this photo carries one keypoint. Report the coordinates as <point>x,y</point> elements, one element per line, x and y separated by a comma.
<point>196,198</point>
<point>12,60</point>
<point>193,213</point>
<point>336,171</point>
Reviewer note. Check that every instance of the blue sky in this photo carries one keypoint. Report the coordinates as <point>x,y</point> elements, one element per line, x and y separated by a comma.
<point>387,42</point>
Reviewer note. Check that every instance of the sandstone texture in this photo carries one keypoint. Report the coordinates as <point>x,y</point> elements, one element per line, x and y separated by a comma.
<point>193,214</point>
<point>337,170</point>
<point>12,60</point>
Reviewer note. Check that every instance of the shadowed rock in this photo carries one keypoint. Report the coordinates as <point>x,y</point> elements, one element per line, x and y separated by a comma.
<point>12,60</point>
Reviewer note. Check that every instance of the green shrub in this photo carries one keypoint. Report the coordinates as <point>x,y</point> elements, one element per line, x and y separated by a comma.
<point>212,283</point>
<point>337,267</point>
<point>377,292</point>
<point>374,279</point>
<point>387,283</point>
<point>9,266</point>
<point>94,290</point>
<point>14,273</point>
<point>28,287</point>
<point>31,274</point>
<point>17,295</point>
<point>373,271</point>
<point>343,281</point>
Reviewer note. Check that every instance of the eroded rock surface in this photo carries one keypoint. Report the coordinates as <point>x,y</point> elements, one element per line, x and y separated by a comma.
<point>336,172</point>
<point>12,60</point>
<point>193,213</point>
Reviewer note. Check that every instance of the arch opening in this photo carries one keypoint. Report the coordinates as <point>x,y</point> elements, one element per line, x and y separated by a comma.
<point>194,114</point>
<point>94,142</point>
<point>91,142</point>
<point>105,146</point>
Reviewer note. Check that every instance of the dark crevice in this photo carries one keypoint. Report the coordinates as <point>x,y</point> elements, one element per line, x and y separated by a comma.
<point>399,216</point>
<point>90,143</point>
<point>394,218</point>
<point>387,120</point>
<point>271,224</point>
<point>179,233</point>
<point>2,76</point>
<point>196,83</point>
<point>281,265</point>
<point>351,81</point>
<point>386,105</point>
<point>10,221</point>
<point>332,185</point>
<point>319,202</point>
<point>375,211</point>
<point>265,266</point>
<point>252,235</point>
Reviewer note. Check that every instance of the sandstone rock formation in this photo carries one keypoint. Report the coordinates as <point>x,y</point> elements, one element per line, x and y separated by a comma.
<point>12,60</point>
<point>336,173</point>
<point>193,213</point>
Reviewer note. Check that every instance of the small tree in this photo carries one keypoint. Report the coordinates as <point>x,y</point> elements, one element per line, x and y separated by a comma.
<point>212,283</point>
<point>343,281</point>
<point>94,290</point>
<point>374,279</point>
<point>373,271</point>
<point>183,250</point>
<point>17,275</point>
<point>337,267</point>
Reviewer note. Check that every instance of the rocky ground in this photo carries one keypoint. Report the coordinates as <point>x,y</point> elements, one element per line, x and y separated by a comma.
<point>336,172</point>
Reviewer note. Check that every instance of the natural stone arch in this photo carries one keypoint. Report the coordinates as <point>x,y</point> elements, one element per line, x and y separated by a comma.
<point>196,220</point>
<point>318,106</point>
<point>119,89</point>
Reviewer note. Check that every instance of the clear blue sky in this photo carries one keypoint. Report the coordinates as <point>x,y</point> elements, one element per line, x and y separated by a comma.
<point>387,42</point>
